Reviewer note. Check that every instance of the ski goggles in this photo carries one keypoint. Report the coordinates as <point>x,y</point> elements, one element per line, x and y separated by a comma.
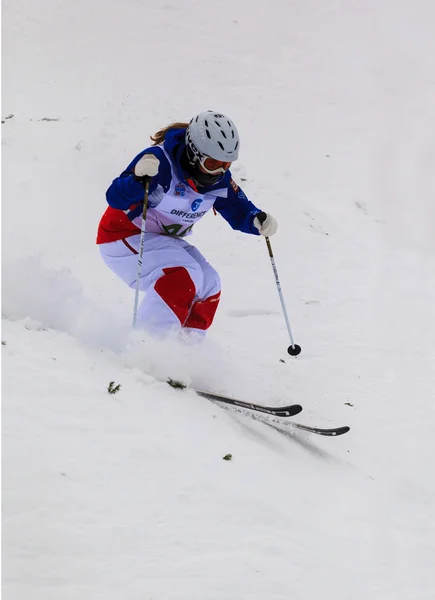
<point>213,166</point>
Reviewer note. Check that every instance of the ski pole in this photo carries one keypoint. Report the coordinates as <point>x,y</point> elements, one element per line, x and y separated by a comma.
<point>294,349</point>
<point>141,245</point>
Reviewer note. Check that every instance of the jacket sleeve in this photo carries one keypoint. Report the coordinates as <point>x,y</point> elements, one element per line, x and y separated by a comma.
<point>237,209</point>
<point>125,190</point>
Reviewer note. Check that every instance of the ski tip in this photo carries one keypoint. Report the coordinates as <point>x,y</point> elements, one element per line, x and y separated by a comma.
<point>332,432</point>
<point>336,431</point>
<point>289,411</point>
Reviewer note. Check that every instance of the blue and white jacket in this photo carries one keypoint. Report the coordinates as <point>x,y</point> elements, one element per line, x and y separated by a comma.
<point>174,203</point>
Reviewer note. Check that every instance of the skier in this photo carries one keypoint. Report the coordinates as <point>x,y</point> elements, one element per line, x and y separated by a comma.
<point>188,170</point>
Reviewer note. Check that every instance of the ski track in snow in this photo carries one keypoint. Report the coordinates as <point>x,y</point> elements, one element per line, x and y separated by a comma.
<point>127,495</point>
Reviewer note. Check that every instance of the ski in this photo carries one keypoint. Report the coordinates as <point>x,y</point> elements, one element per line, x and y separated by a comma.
<point>277,411</point>
<point>332,432</point>
<point>282,411</point>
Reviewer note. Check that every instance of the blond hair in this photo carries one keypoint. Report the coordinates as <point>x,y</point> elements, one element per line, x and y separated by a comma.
<point>159,137</point>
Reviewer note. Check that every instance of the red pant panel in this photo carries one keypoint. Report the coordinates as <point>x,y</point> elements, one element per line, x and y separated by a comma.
<point>177,290</point>
<point>203,312</point>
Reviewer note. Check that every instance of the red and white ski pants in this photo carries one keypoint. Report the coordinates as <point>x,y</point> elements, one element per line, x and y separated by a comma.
<point>182,289</point>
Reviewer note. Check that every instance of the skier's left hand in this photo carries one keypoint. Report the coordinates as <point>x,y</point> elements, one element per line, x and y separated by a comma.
<point>266,224</point>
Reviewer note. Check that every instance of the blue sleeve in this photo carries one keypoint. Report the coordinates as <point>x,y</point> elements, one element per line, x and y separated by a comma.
<point>237,209</point>
<point>125,190</point>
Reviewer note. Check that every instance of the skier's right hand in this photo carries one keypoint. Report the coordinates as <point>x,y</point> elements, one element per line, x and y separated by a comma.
<point>146,167</point>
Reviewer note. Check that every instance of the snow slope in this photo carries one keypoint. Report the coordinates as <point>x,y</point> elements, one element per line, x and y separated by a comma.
<point>127,495</point>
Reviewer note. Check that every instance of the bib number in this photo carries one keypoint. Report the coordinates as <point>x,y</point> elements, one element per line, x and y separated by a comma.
<point>176,229</point>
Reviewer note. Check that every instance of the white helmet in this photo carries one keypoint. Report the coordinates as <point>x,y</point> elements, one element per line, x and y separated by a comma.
<point>212,134</point>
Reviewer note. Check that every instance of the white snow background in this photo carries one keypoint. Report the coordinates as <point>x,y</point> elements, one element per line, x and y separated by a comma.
<point>127,495</point>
